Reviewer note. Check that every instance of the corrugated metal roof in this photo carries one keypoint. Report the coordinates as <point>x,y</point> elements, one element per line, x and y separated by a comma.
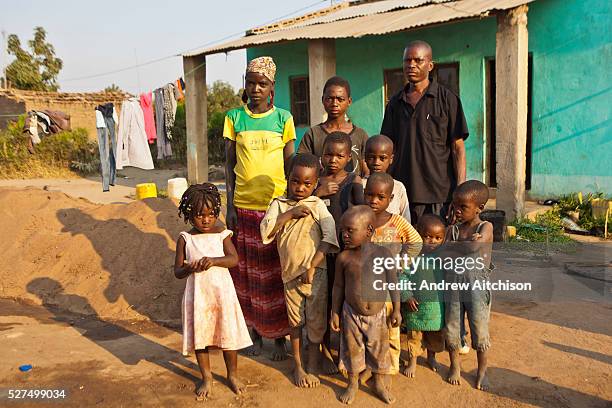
<point>368,9</point>
<point>371,24</point>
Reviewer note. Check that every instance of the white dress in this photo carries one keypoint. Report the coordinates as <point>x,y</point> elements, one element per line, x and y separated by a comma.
<point>211,313</point>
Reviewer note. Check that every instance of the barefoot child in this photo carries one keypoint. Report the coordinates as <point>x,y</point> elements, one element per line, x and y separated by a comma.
<point>364,339</point>
<point>424,318</point>
<point>469,200</point>
<point>212,317</point>
<point>305,232</point>
<point>336,101</point>
<point>397,235</point>
<point>339,190</point>
<point>378,158</point>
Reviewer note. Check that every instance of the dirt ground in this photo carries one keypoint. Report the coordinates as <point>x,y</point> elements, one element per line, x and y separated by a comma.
<point>89,300</point>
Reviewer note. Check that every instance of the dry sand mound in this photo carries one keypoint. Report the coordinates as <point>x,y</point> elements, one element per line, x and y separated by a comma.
<point>112,260</point>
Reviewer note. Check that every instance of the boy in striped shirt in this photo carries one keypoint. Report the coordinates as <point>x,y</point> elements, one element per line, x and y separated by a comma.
<point>395,233</point>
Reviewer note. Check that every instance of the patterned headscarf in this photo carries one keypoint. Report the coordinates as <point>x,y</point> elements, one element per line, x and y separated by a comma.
<point>264,66</point>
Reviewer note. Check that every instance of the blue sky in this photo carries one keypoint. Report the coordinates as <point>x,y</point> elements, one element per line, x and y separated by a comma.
<point>97,37</point>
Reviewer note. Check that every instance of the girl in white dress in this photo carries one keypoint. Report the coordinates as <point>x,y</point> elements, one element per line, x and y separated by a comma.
<point>212,317</point>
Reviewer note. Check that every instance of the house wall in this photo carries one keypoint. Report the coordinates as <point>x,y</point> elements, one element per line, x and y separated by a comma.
<point>571,43</point>
<point>572,138</point>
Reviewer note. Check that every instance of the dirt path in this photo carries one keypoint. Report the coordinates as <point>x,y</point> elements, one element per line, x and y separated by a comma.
<point>90,188</point>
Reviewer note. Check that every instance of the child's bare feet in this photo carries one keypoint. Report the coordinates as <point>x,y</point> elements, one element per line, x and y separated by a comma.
<point>204,389</point>
<point>348,396</point>
<point>365,376</point>
<point>409,369</point>
<point>304,380</point>
<point>454,375</point>
<point>431,362</point>
<point>381,390</point>
<point>482,382</point>
<point>280,350</point>
<point>236,385</point>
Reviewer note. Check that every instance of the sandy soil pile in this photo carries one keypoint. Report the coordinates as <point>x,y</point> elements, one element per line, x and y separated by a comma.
<point>118,257</point>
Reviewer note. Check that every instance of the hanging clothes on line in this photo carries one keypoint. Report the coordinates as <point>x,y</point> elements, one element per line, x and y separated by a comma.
<point>146,104</point>
<point>179,89</point>
<point>106,119</point>
<point>42,123</point>
<point>169,109</point>
<point>132,147</point>
<point>164,149</point>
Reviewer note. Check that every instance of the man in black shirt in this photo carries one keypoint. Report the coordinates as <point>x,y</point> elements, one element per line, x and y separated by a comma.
<point>425,120</point>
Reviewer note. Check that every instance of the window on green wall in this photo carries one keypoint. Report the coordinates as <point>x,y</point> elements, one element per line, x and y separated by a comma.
<point>300,101</point>
<point>447,74</point>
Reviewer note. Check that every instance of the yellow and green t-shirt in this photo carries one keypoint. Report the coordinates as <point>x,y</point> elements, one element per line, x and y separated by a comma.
<point>260,139</point>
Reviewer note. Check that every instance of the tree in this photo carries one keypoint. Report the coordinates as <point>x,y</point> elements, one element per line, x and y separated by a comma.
<point>221,98</point>
<point>113,88</point>
<point>35,70</point>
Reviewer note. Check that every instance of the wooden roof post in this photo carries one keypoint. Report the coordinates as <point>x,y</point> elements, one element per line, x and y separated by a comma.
<point>196,118</point>
<point>321,66</point>
<point>511,62</point>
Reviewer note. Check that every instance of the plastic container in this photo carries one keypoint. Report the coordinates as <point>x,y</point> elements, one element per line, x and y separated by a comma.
<point>146,190</point>
<point>176,187</point>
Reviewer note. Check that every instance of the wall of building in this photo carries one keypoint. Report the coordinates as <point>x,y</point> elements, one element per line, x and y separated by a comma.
<point>571,43</point>
<point>572,138</point>
<point>80,106</point>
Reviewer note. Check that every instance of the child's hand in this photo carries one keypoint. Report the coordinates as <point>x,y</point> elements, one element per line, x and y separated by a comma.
<point>205,264</point>
<point>334,322</point>
<point>300,212</point>
<point>191,267</point>
<point>395,319</point>
<point>413,305</point>
<point>476,236</point>
<point>327,189</point>
<point>308,276</point>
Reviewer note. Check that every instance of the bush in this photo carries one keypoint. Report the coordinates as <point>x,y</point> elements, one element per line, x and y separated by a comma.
<point>546,228</point>
<point>64,154</point>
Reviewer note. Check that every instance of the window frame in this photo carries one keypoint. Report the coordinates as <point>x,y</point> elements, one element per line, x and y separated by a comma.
<point>295,103</point>
<point>389,71</point>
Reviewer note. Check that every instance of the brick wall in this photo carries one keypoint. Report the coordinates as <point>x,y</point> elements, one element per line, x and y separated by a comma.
<point>80,106</point>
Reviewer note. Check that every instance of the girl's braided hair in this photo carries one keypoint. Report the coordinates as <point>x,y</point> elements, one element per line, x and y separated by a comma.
<point>196,198</point>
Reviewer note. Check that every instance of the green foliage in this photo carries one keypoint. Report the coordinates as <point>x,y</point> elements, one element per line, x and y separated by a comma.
<point>572,202</point>
<point>221,98</point>
<point>547,227</point>
<point>56,155</point>
<point>35,70</point>
<point>113,88</point>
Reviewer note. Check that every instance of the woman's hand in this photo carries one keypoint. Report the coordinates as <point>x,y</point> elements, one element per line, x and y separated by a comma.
<point>231,219</point>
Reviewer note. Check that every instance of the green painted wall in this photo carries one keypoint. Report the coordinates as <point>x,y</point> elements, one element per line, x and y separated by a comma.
<point>571,43</point>
<point>572,138</point>
<point>363,61</point>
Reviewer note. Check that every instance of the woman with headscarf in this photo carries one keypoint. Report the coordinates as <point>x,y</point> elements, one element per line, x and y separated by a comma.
<point>259,143</point>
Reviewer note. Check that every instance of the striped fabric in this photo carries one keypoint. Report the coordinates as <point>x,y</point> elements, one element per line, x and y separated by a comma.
<point>257,278</point>
<point>397,230</point>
